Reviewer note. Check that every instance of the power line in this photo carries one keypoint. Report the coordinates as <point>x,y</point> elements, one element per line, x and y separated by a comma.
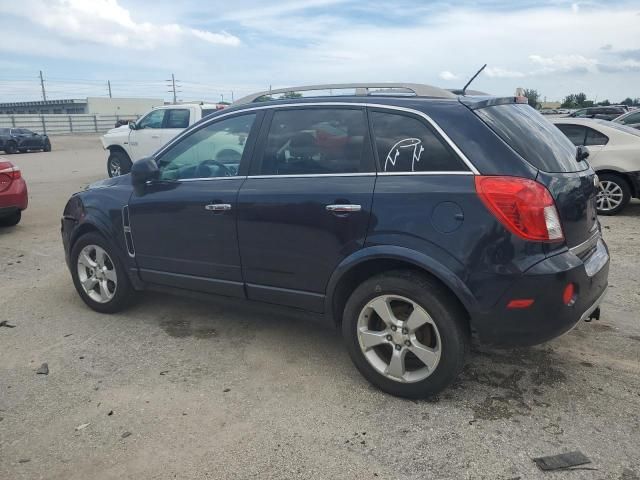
<point>172,85</point>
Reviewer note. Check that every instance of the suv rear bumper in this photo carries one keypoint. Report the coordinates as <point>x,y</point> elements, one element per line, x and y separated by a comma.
<point>548,317</point>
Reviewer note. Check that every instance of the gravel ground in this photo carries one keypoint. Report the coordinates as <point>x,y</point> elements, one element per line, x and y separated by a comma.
<point>186,388</point>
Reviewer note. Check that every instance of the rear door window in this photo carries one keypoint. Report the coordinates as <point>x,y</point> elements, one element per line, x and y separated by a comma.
<point>406,144</point>
<point>533,137</point>
<point>177,118</point>
<point>316,141</point>
<point>575,133</point>
<point>595,138</point>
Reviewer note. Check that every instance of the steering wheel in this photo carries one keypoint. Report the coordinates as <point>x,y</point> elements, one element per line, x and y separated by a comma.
<point>221,168</point>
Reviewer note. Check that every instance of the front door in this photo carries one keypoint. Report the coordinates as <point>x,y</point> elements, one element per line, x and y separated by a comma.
<point>146,139</point>
<point>184,224</point>
<point>306,205</point>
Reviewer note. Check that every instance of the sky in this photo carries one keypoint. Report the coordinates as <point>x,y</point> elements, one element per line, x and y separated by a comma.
<point>219,49</point>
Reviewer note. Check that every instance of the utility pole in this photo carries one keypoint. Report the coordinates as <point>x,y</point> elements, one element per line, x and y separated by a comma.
<point>44,94</point>
<point>172,85</point>
<point>222,97</point>
<point>109,87</point>
<point>231,96</point>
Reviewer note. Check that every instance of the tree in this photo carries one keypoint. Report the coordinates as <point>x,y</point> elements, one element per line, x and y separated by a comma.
<point>292,95</point>
<point>627,101</point>
<point>604,103</point>
<point>576,100</point>
<point>532,97</point>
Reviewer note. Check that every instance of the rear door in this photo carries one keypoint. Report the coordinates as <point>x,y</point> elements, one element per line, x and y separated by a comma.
<point>539,142</point>
<point>175,121</point>
<point>306,203</point>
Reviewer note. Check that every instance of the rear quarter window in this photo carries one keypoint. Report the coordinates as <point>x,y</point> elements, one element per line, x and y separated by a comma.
<point>533,137</point>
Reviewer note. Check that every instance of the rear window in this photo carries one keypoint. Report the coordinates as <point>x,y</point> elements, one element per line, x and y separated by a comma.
<point>533,137</point>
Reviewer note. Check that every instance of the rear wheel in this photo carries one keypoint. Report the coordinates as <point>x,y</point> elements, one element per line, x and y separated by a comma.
<point>99,276</point>
<point>118,163</point>
<point>47,146</point>
<point>11,220</point>
<point>405,334</point>
<point>613,194</point>
<point>11,147</point>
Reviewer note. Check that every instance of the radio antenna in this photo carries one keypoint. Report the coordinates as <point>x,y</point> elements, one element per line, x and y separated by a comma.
<point>473,78</point>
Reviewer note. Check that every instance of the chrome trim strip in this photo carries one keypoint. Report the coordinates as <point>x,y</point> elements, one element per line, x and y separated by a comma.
<point>581,247</point>
<point>208,120</point>
<point>424,173</point>
<point>200,179</point>
<point>308,175</point>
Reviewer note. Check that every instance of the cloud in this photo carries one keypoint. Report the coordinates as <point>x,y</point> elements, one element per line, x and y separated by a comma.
<point>499,72</point>
<point>106,22</point>
<point>606,47</point>
<point>563,64</point>
<point>447,75</point>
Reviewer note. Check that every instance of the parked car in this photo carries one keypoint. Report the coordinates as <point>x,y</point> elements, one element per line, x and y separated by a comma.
<point>614,155</point>
<point>14,140</point>
<point>13,194</point>
<point>602,113</point>
<point>412,223</point>
<point>139,139</point>
<point>630,119</point>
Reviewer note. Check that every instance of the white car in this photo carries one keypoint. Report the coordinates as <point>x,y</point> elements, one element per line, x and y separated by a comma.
<point>137,140</point>
<point>630,119</point>
<point>614,153</point>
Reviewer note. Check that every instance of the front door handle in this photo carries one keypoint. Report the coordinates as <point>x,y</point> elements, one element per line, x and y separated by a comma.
<point>343,208</point>
<point>218,207</point>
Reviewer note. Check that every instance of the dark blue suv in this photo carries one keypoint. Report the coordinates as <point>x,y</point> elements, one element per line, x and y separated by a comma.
<point>413,222</point>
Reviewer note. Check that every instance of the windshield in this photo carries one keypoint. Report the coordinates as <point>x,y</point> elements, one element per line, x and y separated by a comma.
<point>533,137</point>
<point>620,127</point>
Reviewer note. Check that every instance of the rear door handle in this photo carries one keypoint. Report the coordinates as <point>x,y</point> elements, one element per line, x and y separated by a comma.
<point>343,208</point>
<point>218,207</point>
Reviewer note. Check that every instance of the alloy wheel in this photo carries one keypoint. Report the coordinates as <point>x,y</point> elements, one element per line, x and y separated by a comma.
<point>97,273</point>
<point>610,195</point>
<point>399,338</point>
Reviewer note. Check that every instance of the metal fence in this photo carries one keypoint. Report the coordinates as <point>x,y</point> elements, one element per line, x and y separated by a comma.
<point>60,124</point>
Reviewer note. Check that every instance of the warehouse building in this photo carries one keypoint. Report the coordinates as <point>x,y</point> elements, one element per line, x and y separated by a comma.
<point>90,105</point>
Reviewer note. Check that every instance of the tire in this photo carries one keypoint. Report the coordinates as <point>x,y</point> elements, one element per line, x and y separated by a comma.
<point>10,148</point>
<point>110,291</point>
<point>23,150</point>
<point>47,146</point>
<point>11,220</point>
<point>613,194</point>
<point>444,333</point>
<point>118,163</point>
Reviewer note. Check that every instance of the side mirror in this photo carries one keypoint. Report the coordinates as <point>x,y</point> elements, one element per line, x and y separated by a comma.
<point>582,153</point>
<point>132,125</point>
<point>142,171</point>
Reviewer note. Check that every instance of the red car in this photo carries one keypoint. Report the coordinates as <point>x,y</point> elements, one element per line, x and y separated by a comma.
<point>13,194</point>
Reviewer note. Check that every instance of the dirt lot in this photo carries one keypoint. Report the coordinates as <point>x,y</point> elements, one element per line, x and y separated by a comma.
<point>183,388</point>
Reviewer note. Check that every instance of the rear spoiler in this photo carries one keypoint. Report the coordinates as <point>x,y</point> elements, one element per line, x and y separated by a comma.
<point>475,103</point>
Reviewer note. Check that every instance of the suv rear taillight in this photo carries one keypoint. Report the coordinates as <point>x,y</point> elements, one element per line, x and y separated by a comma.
<point>523,206</point>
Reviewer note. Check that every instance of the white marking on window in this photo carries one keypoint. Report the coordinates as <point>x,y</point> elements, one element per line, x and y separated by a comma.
<point>392,156</point>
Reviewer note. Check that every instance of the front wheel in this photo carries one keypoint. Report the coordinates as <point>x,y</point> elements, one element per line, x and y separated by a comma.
<point>99,276</point>
<point>613,194</point>
<point>405,333</point>
<point>118,164</point>
<point>47,146</point>
<point>11,220</point>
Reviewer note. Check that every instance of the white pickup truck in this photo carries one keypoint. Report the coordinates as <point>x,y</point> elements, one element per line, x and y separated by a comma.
<point>131,142</point>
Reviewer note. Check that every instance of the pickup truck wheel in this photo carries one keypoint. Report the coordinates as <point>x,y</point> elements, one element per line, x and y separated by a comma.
<point>10,148</point>
<point>405,334</point>
<point>99,276</point>
<point>613,194</point>
<point>118,164</point>
<point>11,220</point>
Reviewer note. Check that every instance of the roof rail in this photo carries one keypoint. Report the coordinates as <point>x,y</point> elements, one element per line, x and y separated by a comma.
<point>363,89</point>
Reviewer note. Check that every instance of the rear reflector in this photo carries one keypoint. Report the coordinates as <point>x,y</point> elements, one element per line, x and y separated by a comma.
<point>523,206</point>
<point>569,294</point>
<point>520,303</point>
